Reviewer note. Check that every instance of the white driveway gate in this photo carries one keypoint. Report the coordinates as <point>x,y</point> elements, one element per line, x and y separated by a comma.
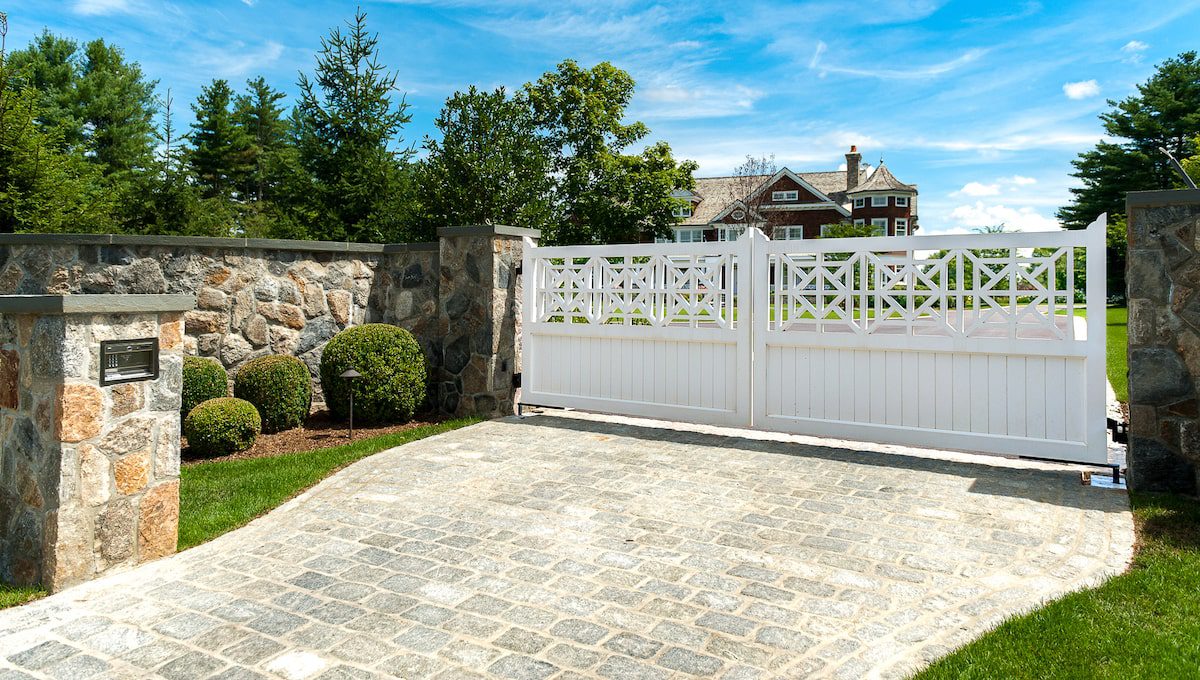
<point>966,342</point>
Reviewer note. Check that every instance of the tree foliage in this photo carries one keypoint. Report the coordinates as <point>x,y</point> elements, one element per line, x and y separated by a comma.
<point>1165,113</point>
<point>222,151</point>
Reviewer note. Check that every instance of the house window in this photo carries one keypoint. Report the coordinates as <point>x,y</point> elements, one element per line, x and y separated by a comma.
<point>901,227</point>
<point>789,233</point>
<point>859,223</point>
<point>826,227</point>
<point>902,201</point>
<point>785,195</point>
<point>689,235</point>
<point>879,201</point>
<point>881,225</point>
<point>682,210</point>
<point>739,214</point>
<point>730,233</point>
<point>860,203</point>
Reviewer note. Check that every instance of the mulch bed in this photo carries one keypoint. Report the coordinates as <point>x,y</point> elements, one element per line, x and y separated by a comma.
<point>319,432</point>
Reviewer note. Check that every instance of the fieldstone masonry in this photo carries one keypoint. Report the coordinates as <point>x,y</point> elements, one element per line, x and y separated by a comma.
<point>89,474</point>
<point>479,318</point>
<point>1164,340</point>
<point>458,297</point>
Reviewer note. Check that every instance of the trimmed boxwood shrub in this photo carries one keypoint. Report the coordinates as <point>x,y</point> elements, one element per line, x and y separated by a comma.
<point>393,369</point>
<point>203,379</point>
<point>280,388</point>
<point>222,426</point>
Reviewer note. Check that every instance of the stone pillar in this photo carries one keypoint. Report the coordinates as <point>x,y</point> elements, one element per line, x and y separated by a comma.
<point>89,474</point>
<point>479,316</point>
<point>1163,271</point>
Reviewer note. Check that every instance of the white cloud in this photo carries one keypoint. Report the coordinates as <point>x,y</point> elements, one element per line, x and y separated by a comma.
<point>679,101</point>
<point>902,73</point>
<point>978,189</point>
<point>979,214</point>
<point>1135,46</point>
<point>101,7</point>
<point>1020,181</point>
<point>229,62</point>
<point>1081,90</point>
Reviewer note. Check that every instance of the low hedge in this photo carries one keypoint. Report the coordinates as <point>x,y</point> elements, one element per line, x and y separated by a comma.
<point>203,379</point>
<point>222,426</point>
<point>392,365</point>
<point>280,388</point>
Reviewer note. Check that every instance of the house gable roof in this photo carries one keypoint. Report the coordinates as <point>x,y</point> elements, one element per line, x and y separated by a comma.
<point>717,193</point>
<point>882,180</point>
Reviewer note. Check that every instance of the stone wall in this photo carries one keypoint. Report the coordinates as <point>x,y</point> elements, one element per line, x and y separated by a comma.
<point>479,318</point>
<point>89,474</point>
<point>254,296</point>
<point>1163,273</point>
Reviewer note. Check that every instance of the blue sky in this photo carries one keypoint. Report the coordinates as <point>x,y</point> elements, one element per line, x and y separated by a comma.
<point>982,104</point>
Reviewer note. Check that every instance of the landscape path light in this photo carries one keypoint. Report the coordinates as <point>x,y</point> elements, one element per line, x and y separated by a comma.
<point>350,375</point>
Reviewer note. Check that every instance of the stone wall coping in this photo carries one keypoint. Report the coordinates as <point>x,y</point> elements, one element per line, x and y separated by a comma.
<point>211,242</point>
<point>1166,197</point>
<point>488,230</point>
<point>95,304</point>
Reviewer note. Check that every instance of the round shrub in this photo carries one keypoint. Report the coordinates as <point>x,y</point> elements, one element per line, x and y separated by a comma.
<point>222,426</point>
<point>203,379</point>
<point>280,388</point>
<point>393,369</point>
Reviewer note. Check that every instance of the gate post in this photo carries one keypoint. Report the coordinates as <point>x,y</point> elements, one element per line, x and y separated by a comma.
<point>479,318</point>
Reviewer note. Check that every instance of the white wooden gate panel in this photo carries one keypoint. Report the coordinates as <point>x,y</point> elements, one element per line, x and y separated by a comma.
<point>647,329</point>
<point>965,342</point>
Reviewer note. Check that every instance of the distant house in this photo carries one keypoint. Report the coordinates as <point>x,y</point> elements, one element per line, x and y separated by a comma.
<point>795,205</point>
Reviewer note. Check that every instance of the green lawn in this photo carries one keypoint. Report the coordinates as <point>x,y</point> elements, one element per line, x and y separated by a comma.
<point>220,496</point>
<point>1142,624</point>
<point>1118,362</point>
<point>11,596</point>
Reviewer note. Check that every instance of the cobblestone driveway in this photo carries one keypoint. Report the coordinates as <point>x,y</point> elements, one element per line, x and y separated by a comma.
<point>570,547</point>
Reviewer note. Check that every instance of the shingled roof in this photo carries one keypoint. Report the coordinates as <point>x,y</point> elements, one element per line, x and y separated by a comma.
<point>882,180</point>
<point>716,193</point>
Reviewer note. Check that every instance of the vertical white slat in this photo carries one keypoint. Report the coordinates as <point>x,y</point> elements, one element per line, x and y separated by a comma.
<point>862,386</point>
<point>801,376</point>
<point>661,374</point>
<point>1015,382</point>
<point>693,374</point>
<point>1035,397</point>
<point>637,377</point>
<point>893,385</point>
<point>908,388</point>
<point>943,390</point>
<point>529,290</point>
<point>1095,432</point>
<point>925,393</point>
<point>732,391</point>
<point>962,392</point>
<point>845,403</point>
<point>607,373</point>
<point>878,380</point>
<point>997,394</point>
<point>720,393</point>
<point>817,395</point>
<point>1075,410</point>
<point>833,384</point>
<point>706,378</point>
<point>979,393</point>
<point>1056,397</point>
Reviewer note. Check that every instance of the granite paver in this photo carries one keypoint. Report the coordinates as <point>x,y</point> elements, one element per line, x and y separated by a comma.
<point>578,546</point>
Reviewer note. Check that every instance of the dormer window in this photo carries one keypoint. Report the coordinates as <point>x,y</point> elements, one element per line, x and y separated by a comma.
<point>879,201</point>
<point>860,202</point>
<point>902,201</point>
<point>785,195</point>
<point>682,210</point>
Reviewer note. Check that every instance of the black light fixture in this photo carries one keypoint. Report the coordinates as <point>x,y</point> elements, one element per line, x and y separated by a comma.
<point>351,375</point>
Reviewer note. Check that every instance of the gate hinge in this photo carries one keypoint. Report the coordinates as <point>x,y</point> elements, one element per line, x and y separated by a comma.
<point>1120,431</point>
<point>519,269</point>
<point>516,380</point>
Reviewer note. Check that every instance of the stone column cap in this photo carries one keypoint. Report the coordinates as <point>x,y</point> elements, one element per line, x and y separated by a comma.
<point>95,304</point>
<point>488,230</point>
<point>1163,197</point>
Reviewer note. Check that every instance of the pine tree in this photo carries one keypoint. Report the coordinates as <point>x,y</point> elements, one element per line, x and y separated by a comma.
<point>117,107</point>
<point>222,151</point>
<point>50,65</point>
<point>258,114</point>
<point>350,181</point>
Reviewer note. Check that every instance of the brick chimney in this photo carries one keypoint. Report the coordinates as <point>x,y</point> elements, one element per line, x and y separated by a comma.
<point>853,159</point>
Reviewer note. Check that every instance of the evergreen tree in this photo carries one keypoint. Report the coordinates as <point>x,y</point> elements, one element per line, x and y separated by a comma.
<point>42,187</point>
<point>222,151</point>
<point>349,181</point>
<point>258,114</point>
<point>490,167</point>
<point>1165,112</point>
<point>50,66</point>
<point>116,105</point>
